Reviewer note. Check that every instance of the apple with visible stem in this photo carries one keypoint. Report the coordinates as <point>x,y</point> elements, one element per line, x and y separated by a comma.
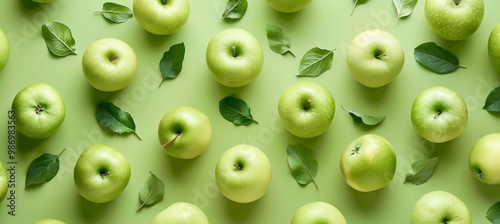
<point>368,163</point>
<point>243,173</point>
<point>4,181</point>
<point>454,20</point>
<point>288,6</point>
<point>318,212</point>
<point>440,207</point>
<point>306,109</point>
<point>483,159</point>
<point>4,49</point>
<point>181,212</point>
<point>161,17</point>
<point>49,221</point>
<point>234,57</point>
<point>109,64</point>
<point>375,58</point>
<point>184,132</point>
<point>40,110</point>
<point>101,173</point>
<point>439,114</point>
<point>494,47</point>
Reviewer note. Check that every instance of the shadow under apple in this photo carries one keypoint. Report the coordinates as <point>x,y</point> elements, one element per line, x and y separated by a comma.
<point>238,212</point>
<point>91,212</point>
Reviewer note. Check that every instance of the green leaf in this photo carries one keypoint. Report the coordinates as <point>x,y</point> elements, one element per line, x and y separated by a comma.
<point>315,62</point>
<point>421,171</point>
<point>236,111</point>
<point>114,119</point>
<point>435,58</point>
<point>404,8</point>
<point>58,38</point>
<point>356,3</point>
<point>115,13</point>
<point>43,169</point>
<point>278,41</point>
<point>235,9</point>
<point>493,213</point>
<point>171,62</point>
<point>151,192</point>
<point>303,164</point>
<point>365,119</point>
<point>492,103</point>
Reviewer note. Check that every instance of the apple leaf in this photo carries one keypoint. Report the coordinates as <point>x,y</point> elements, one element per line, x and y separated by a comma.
<point>421,171</point>
<point>58,39</point>
<point>278,41</point>
<point>493,213</point>
<point>435,58</point>
<point>43,169</point>
<point>492,103</point>
<point>315,62</point>
<point>114,119</point>
<point>356,3</point>
<point>235,9</point>
<point>171,63</point>
<point>303,164</point>
<point>404,8</point>
<point>236,111</point>
<point>115,13</point>
<point>151,192</point>
<point>365,119</point>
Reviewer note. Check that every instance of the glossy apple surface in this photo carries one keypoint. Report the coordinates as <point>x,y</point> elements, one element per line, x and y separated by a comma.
<point>318,212</point>
<point>483,159</point>
<point>288,6</point>
<point>440,207</point>
<point>4,49</point>
<point>494,47</point>
<point>181,213</point>
<point>161,17</point>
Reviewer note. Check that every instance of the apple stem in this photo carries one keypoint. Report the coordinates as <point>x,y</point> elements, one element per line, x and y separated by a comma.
<point>172,140</point>
<point>308,104</point>
<point>235,53</point>
<point>437,114</point>
<point>237,166</point>
<point>103,174</point>
<point>381,56</point>
<point>39,109</point>
<point>114,58</point>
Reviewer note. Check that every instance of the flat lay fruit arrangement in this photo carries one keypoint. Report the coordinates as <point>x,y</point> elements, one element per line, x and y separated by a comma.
<point>245,111</point>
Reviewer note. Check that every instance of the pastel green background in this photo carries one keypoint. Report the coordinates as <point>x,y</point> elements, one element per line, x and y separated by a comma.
<point>325,24</point>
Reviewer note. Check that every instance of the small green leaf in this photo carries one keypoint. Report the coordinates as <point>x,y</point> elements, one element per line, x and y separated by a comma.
<point>303,164</point>
<point>421,171</point>
<point>493,213</point>
<point>365,119</point>
<point>235,9</point>
<point>43,169</point>
<point>171,62</point>
<point>278,41</point>
<point>404,8</point>
<point>151,192</point>
<point>435,58</point>
<point>114,119</point>
<point>356,3</point>
<point>315,62</point>
<point>115,13</point>
<point>58,38</point>
<point>236,111</point>
<point>492,103</point>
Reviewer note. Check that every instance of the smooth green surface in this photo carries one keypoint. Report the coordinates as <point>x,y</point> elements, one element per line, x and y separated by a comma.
<point>323,23</point>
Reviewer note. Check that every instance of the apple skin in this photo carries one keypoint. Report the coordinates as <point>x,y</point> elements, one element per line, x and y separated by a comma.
<point>243,173</point>
<point>368,163</point>
<point>161,19</point>
<point>43,1</point>
<point>40,110</point>
<point>191,130</point>
<point>101,173</point>
<point>4,49</point>
<point>440,207</point>
<point>234,57</point>
<point>375,58</point>
<point>303,119</point>
<point>318,212</point>
<point>493,47</point>
<point>181,213</point>
<point>49,221</point>
<point>288,6</point>
<point>3,182</point>
<point>483,159</point>
<point>439,114</point>
<point>452,21</point>
<point>109,64</point>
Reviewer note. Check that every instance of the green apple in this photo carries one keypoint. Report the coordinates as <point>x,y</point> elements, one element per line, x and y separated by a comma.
<point>40,110</point>
<point>181,213</point>
<point>161,17</point>
<point>4,49</point>
<point>368,163</point>
<point>494,47</point>
<point>235,57</point>
<point>440,207</point>
<point>483,159</point>
<point>439,114</point>
<point>109,64</point>
<point>49,221</point>
<point>243,173</point>
<point>318,212</point>
<point>4,181</point>
<point>288,6</point>
<point>184,132</point>
<point>374,58</point>
<point>306,109</point>
<point>101,173</point>
<point>454,19</point>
